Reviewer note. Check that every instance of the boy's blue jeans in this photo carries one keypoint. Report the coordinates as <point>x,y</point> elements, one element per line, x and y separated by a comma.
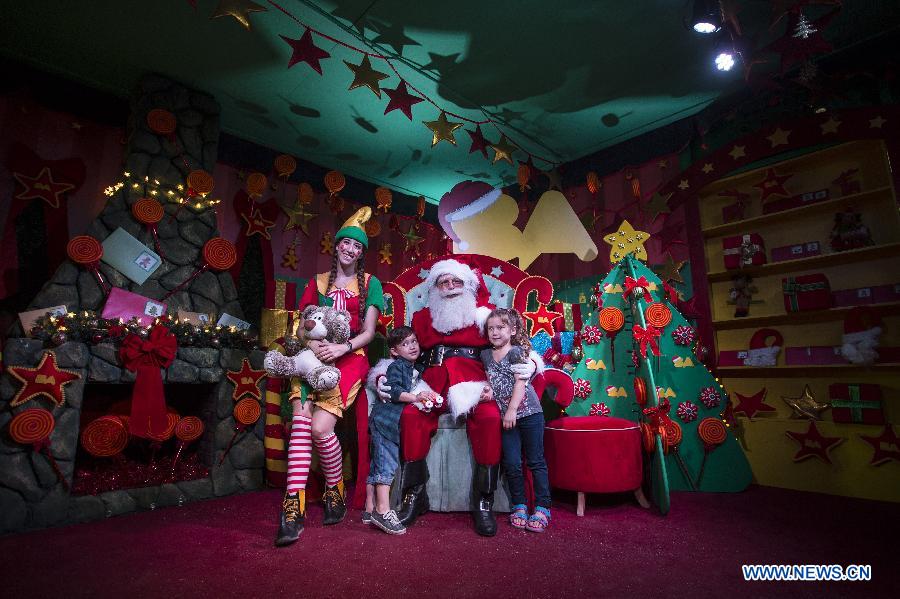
<point>384,460</point>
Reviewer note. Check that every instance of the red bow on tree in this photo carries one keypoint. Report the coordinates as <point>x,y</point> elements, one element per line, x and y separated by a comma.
<point>640,283</point>
<point>671,294</point>
<point>646,337</point>
<point>658,415</point>
<point>145,357</point>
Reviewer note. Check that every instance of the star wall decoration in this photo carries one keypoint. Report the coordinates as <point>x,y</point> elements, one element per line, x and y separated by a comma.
<point>298,218</point>
<point>779,137</point>
<point>806,406</point>
<point>670,269</point>
<point>738,152</point>
<point>773,184</point>
<point>886,446</point>
<point>442,129</point>
<point>503,150</point>
<point>305,50</point>
<point>658,204</point>
<point>257,224</point>
<point>413,239</point>
<point>401,99</point>
<point>479,143</point>
<point>46,379</point>
<point>43,187</point>
<point>246,381</point>
<point>239,9</point>
<point>813,444</point>
<point>365,76</point>
<point>749,405</point>
<point>541,320</point>
<point>830,126</point>
<point>626,241</point>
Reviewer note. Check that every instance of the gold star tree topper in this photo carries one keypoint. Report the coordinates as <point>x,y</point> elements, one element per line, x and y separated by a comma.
<point>626,241</point>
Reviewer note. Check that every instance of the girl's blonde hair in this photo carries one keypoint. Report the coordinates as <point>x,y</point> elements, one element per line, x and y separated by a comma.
<point>514,320</point>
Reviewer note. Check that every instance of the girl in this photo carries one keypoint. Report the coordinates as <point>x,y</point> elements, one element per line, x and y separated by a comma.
<point>345,287</point>
<point>523,419</point>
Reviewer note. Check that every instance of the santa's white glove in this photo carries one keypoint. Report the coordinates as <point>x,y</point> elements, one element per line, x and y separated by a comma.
<point>524,370</point>
<point>384,390</point>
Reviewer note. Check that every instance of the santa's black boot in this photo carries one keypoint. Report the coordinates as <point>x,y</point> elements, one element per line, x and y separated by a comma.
<point>414,503</point>
<point>485,482</point>
<point>292,517</point>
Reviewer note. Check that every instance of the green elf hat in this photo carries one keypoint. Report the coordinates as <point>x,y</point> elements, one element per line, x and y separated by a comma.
<point>354,227</point>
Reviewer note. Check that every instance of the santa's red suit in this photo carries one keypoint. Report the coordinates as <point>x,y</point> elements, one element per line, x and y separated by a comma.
<point>460,379</point>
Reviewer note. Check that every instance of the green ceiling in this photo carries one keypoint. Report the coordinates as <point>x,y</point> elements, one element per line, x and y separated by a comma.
<point>561,78</point>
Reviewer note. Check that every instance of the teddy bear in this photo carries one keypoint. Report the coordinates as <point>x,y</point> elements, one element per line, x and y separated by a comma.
<point>319,323</point>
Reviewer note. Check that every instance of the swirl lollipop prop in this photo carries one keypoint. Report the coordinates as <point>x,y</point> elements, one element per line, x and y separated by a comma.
<point>713,433</point>
<point>149,212</point>
<point>87,251</point>
<point>673,440</point>
<point>246,413</point>
<point>188,430</point>
<point>105,437</point>
<point>612,320</point>
<point>218,254</point>
<point>33,427</point>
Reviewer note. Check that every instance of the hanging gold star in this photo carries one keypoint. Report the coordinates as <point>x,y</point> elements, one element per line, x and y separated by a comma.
<point>626,241</point>
<point>298,218</point>
<point>670,269</point>
<point>805,406</point>
<point>365,76</point>
<point>239,9</point>
<point>412,239</point>
<point>657,205</point>
<point>503,150</point>
<point>442,129</point>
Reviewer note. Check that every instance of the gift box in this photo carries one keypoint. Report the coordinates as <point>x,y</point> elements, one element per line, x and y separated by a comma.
<point>806,292</point>
<point>743,250</point>
<point>856,403</point>
<point>571,316</point>
<point>796,251</point>
<point>733,212</point>
<point>886,293</point>
<point>761,352</point>
<point>877,294</point>
<point>803,199</point>
<point>814,356</point>
<point>127,305</point>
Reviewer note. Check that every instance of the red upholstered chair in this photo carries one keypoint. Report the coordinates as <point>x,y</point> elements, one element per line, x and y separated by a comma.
<point>590,454</point>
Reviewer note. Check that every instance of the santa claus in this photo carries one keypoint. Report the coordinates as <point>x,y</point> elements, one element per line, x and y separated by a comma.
<point>450,330</point>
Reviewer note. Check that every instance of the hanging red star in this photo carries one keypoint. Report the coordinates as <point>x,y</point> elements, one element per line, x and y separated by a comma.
<point>384,321</point>
<point>257,223</point>
<point>886,446</point>
<point>541,320</point>
<point>246,381</point>
<point>688,308</point>
<point>794,50</point>
<point>813,444</point>
<point>46,379</point>
<point>43,186</point>
<point>773,184</point>
<point>670,235</point>
<point>479,143</point>
<point>305,50</point>
<point>401,100</point>
<point>749,405</point>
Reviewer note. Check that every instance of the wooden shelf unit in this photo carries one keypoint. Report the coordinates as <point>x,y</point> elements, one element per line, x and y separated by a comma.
<point>804,371</point>
<point>810,316</point>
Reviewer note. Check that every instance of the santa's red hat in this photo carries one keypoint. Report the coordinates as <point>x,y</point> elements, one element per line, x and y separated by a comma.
<point>464,200</point>
<point>464,268</point>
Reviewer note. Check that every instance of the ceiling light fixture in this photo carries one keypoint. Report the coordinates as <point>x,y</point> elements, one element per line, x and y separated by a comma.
<point>726,55</point>
<point>707,16</point>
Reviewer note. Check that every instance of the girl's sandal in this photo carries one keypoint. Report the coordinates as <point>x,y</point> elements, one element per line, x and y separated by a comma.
<point>519,516</point>
<point>539,520</point>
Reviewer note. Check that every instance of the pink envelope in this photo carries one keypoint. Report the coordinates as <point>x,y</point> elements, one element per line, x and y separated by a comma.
<point>126,305</point>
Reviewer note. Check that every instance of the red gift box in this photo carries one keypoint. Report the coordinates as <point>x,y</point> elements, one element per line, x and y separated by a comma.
<point>877,294</point>
<point>806,292</point>
<point>821,355</point>
<point>796,251</point>
<point>803,199</point>
<point>743,250</point>
<point>856,403</point>
<point>571,316</point>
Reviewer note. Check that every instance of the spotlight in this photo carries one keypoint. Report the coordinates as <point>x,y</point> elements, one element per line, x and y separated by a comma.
<point>725,60</point>
<point>707,16</point>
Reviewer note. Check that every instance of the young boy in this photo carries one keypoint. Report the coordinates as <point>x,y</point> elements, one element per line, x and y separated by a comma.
<point>384,425</point>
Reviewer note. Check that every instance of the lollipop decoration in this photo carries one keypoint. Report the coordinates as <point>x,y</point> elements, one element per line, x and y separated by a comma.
<point>673,440</point>
<point>640,391</point>
<point>383,197</point>
<point>285,165</point>
<point>246,413</point>
<point>105,437</point>
<point>612,320</point>
<point>162,122</point>
<point>713,433</point>
<point>87,251</point>
<point>149,212</point>
<point>334,183</point>
<point>256,184</point>
<point>188,430</point>
<point>200,183</point>
<point>658,315</point>
<point>218,254</point>
<point>305,193</point>
<point>33,427</point>
<point>171,423</point>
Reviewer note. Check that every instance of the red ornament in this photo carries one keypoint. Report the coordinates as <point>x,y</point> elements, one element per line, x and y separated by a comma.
<point>46,379</point>
<point>813,444</point>
<point>886,446</point>
<point>305,50</point>
<point>599,409</point>
<point>401,100</point>
<point>246,381</point>
<point>541,320</point>
<point>749,405</point>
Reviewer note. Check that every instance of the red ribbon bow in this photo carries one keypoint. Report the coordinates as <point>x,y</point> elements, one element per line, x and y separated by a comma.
<point>647,337</point>
<point>658,415</point>
<point>145,357</point>
<point>671,294</point>
<point>640,283</point>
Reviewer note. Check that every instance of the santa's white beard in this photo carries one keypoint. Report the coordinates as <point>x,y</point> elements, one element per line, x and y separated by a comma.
<point>451,313</point>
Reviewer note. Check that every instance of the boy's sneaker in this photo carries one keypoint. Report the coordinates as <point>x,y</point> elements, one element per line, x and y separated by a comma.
<point>367,517</point>
<point>388,522</point>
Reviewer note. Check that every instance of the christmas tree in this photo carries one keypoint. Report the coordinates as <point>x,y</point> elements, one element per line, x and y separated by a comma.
<point>639,364</point>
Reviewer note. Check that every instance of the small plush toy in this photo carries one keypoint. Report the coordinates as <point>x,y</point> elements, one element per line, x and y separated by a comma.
<point>849,232</point>
<point>320,323</point>
<point>741,295</point>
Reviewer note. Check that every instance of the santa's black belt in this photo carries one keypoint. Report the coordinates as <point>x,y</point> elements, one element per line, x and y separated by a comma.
<point>437,354</point>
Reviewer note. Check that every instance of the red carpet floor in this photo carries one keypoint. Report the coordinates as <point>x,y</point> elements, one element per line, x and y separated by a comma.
<point>223,548</point>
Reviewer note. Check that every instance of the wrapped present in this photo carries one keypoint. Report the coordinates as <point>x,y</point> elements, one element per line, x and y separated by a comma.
<point>797,201</point>
<point>814,356</point>
<point>571,317</point>
<point>876,294</point>
<point>127,305</point>
<point>796,251</point>
<point>886,293</point>
<point>761,352</point>
<point>806,292</point>
<point>856,403</point>
<point>743,250</point>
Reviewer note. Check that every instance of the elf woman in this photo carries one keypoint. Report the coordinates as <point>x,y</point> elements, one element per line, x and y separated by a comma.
<point>346,286</point>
